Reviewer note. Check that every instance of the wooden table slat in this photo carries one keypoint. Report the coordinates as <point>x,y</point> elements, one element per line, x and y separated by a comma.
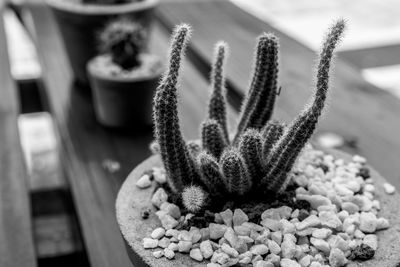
<point>16,238</point>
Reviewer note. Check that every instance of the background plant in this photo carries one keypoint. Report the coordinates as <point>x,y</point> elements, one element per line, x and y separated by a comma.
<point>124,40</point>
<point>259,158</point>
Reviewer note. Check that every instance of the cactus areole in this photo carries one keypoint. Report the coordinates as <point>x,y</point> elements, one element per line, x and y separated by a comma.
<point>257,162</point>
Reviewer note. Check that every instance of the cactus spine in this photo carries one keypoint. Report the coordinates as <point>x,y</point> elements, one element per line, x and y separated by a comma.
<point>299,132</point>
<point>250,147</point>
<point>236,175</point>
<point>271,134</point>
<point>213,138</point>
<point>210,174</point>
<point>258,105</point>
<point>217,106</point>
<point>193,198</point>
<point>178,164</point>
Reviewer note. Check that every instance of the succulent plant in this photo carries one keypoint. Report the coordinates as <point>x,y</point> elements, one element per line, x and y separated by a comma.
<point>262,153</point>
<point>124,40</point>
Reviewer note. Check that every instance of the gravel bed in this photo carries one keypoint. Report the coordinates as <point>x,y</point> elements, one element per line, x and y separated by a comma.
<point>341,225</point>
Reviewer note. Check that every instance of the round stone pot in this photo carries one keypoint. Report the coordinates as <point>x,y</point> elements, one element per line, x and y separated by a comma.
<point>80,23</point>
<point>133,228</point>
<point>123,102</point>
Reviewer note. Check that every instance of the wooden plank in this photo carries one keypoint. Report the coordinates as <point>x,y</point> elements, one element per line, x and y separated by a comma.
<point>86,145</point>
<point>373,57</point>
<point>357,108</point>
<point>16,241</point>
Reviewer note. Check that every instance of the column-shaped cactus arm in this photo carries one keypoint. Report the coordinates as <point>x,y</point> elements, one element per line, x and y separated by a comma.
<point>271,133</point>
<point>300,131</point>
<point>210,174</point>
<point>178,164</point>
<point>250,147</point>
<point>217,103</point>
<point>194,198</point>
<point>235,172</point>
<point>213,138</point>
<point>259,102</point>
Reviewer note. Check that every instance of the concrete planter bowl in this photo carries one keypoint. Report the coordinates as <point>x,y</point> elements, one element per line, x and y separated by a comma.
<point>133,228</point>
<point>79,24</point>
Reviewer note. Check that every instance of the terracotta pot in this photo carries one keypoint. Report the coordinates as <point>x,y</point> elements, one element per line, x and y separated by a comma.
<point>80,23</point>
<point>131,200</point>
<point>123,102</point>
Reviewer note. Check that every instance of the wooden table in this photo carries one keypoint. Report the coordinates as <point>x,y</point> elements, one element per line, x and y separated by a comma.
<point>16,241</point>
<point>357,109</point>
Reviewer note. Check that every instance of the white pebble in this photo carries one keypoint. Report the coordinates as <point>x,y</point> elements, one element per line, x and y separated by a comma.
<point>159,197</point>
<point>320,244</point>
<point>164,242</point>
<point>273,247</point>
<point>259,249</point>
<point>144,181</point>
<point>168,222</point>
<point>372,241</point>
<point>305,261</point>
<point>368,222</point>
<point>227,216</point>
<point>158,233</point>
<point>206,249</point>
<point>322,233</point>
<point>330,219</point>
<point>184,246</point>
<point>310,221</point>
<point>289,263</point>
<point>382,223</point>
<point>150,242</point>
<point>173,247</point>
<point>337,258</point>
<point>217,230</point>
<point>350,207</point>
<point>389,189</point>
<point>158,254</point>
<point>196,254</point>
<point>169,254</point>
<point>239,217</point>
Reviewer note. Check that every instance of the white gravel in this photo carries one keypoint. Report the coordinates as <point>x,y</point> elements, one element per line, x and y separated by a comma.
<point>344,215</point>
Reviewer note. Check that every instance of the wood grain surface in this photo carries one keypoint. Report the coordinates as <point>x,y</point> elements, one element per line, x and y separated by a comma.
<point>16,238</point>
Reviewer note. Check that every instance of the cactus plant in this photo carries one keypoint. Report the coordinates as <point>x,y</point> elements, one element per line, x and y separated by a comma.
<point>259,159</point>
<point>124,40</point>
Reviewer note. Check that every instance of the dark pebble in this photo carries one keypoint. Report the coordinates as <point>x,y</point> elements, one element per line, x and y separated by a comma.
<point>364,173</point>
<point>302,204</point>
<point>145,212</point>
<point>324,167</point>
<point>362,252</point>
<point>303,214</point>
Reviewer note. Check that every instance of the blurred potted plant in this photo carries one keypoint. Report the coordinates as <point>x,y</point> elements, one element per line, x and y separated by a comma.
<point>123,77</point>
<point>80,20</point>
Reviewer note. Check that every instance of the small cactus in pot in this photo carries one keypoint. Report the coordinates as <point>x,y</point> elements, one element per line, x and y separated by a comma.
<point>257,161</point>
<point>123,77</point>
